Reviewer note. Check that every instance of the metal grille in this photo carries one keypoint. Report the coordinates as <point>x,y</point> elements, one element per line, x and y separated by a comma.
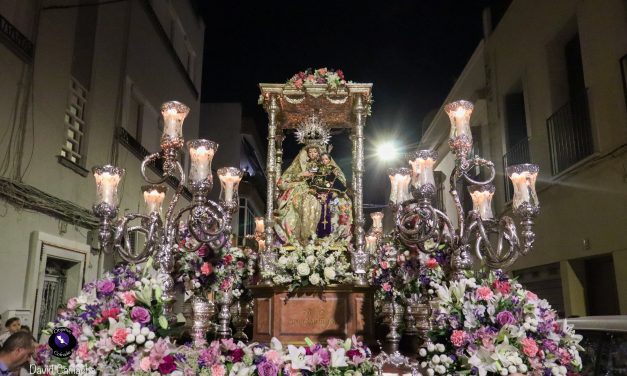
<point>517,154</point>
<point>570,134</point>
<point>51,298</point>
<point>75,122</point>
<point>440,178</point>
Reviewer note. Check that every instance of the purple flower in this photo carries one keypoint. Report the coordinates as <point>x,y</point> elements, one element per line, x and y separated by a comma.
<point>267,369</point>
<point>237,355</point>
<point>105,286</point>
<point>505,317</point>
<point>140,315</point>
<point>168,366</point>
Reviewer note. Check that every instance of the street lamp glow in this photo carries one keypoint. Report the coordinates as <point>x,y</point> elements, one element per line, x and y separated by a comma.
<point>387,151</point>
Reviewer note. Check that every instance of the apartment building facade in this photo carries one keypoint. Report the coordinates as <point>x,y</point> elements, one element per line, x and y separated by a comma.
<point>82,83</point>
<point>554,93</point>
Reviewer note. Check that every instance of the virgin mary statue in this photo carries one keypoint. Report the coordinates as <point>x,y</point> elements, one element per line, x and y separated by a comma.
<point>312,199</point>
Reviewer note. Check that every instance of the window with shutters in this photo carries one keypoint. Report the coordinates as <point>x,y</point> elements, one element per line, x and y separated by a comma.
<point>72,149</point>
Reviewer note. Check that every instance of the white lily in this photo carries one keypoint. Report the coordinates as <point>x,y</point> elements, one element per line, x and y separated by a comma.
<point>338,358</point>
<point>296,355</point>
<point>483,361</point>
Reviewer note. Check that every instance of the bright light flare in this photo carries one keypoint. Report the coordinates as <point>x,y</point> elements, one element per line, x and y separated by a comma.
<point>387,151</point>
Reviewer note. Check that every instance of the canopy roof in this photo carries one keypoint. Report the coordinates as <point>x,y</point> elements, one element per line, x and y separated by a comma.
<point>333,105</point>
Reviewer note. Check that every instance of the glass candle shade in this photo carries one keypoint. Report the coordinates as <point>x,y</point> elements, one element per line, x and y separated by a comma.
<point>399,179</point>
<point>377,220</point>
<point>174,114</point>
<point>153,197</point>
<point>371,243</point>
<point>523,177</point>
<point>482,199</point>
<point>259,227</point>
<point>201,154</point>
<point>107,179</point>
<point>422,162</point>
<point>459,112</point>
<point>261,245</point>
<point>229,182</point>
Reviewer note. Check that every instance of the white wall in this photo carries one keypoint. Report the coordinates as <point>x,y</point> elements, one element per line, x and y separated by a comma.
<point>124,49</point>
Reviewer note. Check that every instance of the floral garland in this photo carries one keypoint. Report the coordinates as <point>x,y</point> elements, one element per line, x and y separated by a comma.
<point>330,77</point>
<point>205,271</point>
<point>487,323</point>
<point>117,322</point>
<point>119,329</point>
<point>311,265</point>
<point>228,358</point>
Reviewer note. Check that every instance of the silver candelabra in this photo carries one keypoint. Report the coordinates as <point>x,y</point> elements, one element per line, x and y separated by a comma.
<point>418,221</point>
<point>208,222</point>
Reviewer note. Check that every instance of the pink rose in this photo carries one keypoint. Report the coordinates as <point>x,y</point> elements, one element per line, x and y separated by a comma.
<point>503,287</point>
<point>144,364</point>
<point>384,264</point>
<point>432,263</point>
<point>119,336</point>
<point>217,370</point>
<point>458,337</point>
<point>273,356</point>
<point>311,78</point>
<point>322,71</point>
<point>484,293</point>
<point>226,284</point>
<point>531,296</point>
<point>240,264</point>
<point>72,303</point>
<point>340,74</point>
<point>298,83</point>
<point>530,347</point>
<point>386,287</point>
<point>128,298</point>
<point>206,268</point>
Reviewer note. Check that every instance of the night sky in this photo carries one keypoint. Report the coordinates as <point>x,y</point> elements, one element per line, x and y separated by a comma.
<point>411,50</point>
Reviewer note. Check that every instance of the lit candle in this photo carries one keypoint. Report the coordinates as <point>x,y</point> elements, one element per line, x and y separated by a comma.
<point>482,199</point>
<point>523,177</point>
<point>422,162</point>
<point>371,243</point>
<point>459,113</point>
<point>399,179</point>
<point>229,179</point>
<point>153,197</point>
<point>393,186</point>
<point>201,154</point>
<point>377,220</point>
<point>259,225</point>
<point>174,114</point>
<point>107,179</point>
<point>403,186</point>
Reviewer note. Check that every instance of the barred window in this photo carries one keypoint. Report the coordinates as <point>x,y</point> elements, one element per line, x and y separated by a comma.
<point>72,149</point>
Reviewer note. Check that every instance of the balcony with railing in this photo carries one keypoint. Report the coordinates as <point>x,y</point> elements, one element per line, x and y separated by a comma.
<point>517,154</point>
<point>570,134</point>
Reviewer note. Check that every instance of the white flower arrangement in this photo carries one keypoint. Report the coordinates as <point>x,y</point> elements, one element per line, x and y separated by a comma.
<point>311,265</point>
